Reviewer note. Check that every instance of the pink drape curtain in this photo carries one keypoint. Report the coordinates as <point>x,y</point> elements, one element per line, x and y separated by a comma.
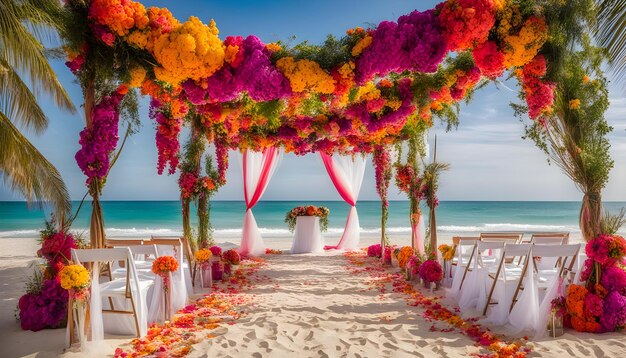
<point>419,232</point>
<point>346,173</point>
<point>257,171</point>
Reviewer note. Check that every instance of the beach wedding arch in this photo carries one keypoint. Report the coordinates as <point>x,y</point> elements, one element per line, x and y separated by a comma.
<point>364,93</point>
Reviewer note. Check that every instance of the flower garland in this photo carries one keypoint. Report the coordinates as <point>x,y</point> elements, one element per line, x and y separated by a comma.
<point>168,128</point>
<point>100,139</point>
<point>320,211</point>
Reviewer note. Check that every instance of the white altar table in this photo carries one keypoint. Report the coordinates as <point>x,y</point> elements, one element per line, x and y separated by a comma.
<point>308,236</point>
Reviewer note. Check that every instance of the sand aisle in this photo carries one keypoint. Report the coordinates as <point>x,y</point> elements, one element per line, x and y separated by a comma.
<point>314,307</point>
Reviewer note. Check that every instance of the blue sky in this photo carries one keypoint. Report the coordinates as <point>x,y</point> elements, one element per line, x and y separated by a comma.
<point>489,159</point>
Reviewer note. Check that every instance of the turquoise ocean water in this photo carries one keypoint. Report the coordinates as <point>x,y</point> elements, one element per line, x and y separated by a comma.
<point>144,218</point>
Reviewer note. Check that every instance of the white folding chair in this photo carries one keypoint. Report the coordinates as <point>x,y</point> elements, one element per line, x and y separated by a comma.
<point>487,257</point>
<point>539,287</point>
<point>144,256</point>
<point>552,237</point>
<point>463,252</point>
<point>129,289</point>
<point>504,280</point>
<point>508,237</point>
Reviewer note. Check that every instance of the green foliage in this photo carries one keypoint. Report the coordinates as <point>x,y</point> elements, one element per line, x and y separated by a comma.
<point>611,223</point>
<point>332,53</point>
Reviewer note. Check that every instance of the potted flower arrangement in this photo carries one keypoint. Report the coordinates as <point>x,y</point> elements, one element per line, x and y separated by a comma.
<point>230,257</point>
<point>163,266</point>
<point>431,272</point>
<point>217,269</point>
<point>394,257</point>
<point>403,256</point>
<point>447,253</point>
<point>387,256</point>
<point>310,210</point>
<point>75,279</point>
<point>203,261</point>
<point>374,251</point>
<point>412,268</point>
<point>557,313</point>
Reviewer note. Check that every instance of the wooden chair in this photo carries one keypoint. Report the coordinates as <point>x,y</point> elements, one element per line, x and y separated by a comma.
<point>508,237</point>
<point>565,256</point>
<point>550,238</point>
<point>507,272</point>
<point>128,288</point>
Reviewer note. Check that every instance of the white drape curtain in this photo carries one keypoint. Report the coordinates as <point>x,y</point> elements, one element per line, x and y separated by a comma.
<point>258,168</point>
<point>346,173</point>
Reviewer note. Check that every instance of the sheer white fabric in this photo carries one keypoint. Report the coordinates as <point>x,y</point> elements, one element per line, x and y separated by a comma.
<point>532,308</point>
<point>463,254</point>
<point>307,236</point>
<point>348,171</point>
<point>138,289</point>
<point>473,292</point>
<point>253,166</point>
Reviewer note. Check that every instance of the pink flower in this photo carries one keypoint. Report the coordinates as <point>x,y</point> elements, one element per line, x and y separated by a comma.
<point>374,250</point>
<point>431,271</point>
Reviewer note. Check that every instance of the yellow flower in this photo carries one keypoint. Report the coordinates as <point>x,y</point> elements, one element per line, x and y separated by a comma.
<point>203,255</point>
<point>273,47</point>
<point>137,75</point>
<point>368,92</point>
<point>522,47</point>
<point>306,75</point>
<point>193,50</point>
<point>361,45</point>
<point>574,104</point>
<point>74,277</point>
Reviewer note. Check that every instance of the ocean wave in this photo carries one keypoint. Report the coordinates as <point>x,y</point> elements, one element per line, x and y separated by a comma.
<point>19,233</point>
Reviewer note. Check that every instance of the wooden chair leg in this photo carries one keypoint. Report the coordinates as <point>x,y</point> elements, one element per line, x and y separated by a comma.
<point>132,303</point>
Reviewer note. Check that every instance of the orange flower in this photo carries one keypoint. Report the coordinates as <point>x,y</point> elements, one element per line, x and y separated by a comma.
<point>574,103</point>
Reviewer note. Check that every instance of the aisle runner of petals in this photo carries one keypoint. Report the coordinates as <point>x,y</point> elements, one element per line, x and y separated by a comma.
<point>379,279</point>
<point>225,305</point>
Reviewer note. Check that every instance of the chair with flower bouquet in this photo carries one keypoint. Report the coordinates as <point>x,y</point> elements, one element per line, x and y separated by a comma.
<point>532,299</point>
<point>181,287</point>
<point>463,251</point>
<point>502,281</point>
<point>125,296</point>
<point>486,257</point>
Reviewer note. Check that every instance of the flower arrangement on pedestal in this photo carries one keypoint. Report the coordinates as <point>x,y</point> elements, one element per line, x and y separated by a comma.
<point>403,256</point>
<point>431,272</point>
<point>163,266</point>
<point>320,211</point>
<point>75,279</point>
<point>412,267</point>
<point>217,270</point>
<point>374,251</point>
<point>230,257</point>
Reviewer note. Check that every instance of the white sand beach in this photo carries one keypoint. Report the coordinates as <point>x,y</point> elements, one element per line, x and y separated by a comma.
<point>313,307</point>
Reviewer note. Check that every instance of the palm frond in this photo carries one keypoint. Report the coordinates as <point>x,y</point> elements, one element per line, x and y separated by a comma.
<point>25,54</point>
<point>611,33</point>
<point>18,102</point>
<point>26,170</point>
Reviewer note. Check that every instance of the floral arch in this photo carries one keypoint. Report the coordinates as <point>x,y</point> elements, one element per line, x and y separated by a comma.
<point>362,93</point>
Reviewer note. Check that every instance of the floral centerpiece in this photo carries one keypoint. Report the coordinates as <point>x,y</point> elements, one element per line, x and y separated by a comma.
<point>403,256</point>
<point>387,255</point>
<point>374,251</point>
<point>75,279</point>
<point>164,266</point>
<point>217,270</point>
<point>557,313</point>
<point>447,252</point>
<point>310,210</point>
<point>203,259</point>
<point>230,257</point>
<point>412,267</point>
<point>430,271</point>
<point>600,305</point>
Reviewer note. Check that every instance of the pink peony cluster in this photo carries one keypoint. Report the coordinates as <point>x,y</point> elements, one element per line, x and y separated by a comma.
<point>431,271</point>
<point>374,251</point>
